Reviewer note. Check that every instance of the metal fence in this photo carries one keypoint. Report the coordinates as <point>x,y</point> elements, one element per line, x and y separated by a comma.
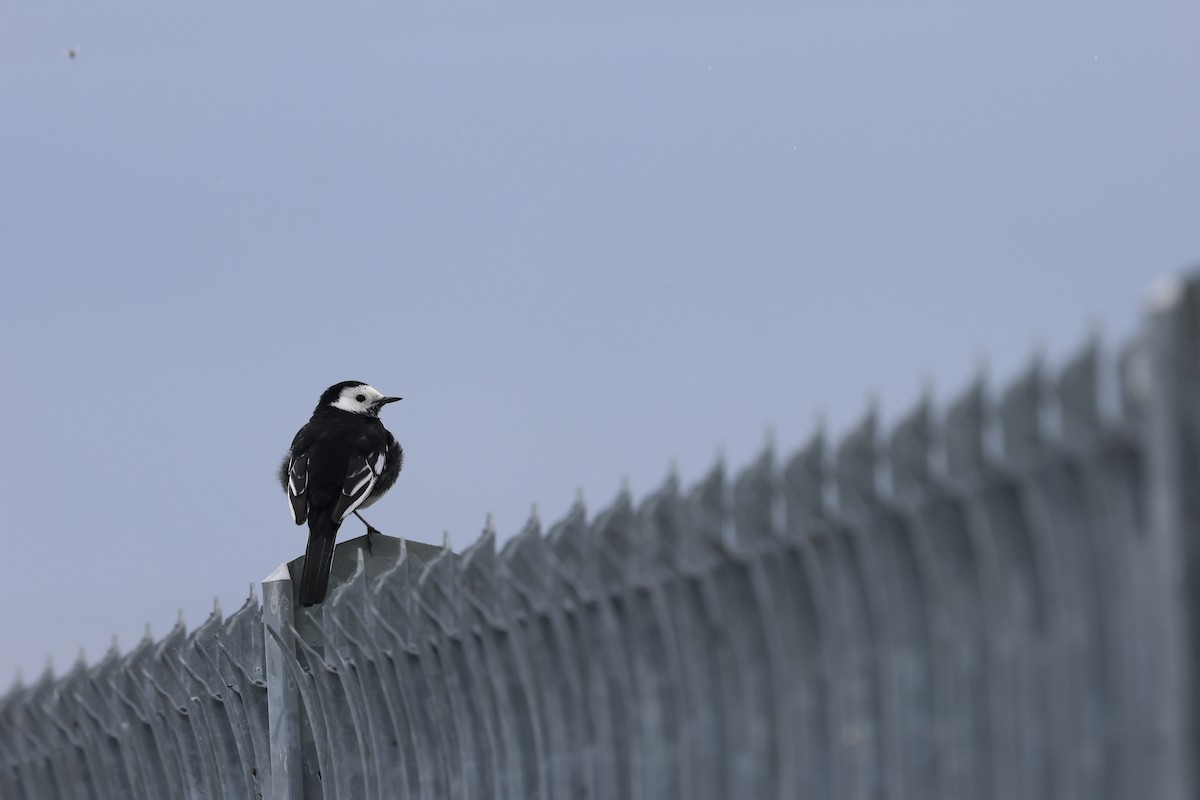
<point>994,602</point>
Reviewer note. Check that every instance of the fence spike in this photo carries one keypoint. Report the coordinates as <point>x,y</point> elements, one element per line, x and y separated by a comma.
<point>963,431</point>
<point>855,463</point>
<point>927,390</point>
<point>983,368</point>
<point>1079,396</point>
<point>754,495</point>
<point>1021,415</point>
<point>805,476</point>
<point>909,453</point>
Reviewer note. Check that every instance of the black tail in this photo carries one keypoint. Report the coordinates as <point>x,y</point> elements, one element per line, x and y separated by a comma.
<point>318,558</point>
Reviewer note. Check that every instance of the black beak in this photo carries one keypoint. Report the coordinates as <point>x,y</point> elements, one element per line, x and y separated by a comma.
<point>387,400</point>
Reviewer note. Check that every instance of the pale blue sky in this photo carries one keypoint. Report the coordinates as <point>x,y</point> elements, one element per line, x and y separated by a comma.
<point>579,239</point>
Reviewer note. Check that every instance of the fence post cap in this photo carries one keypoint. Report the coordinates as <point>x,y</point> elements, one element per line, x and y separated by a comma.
<point>280,574</point>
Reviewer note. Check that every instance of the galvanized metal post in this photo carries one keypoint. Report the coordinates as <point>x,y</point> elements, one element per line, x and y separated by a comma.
<point>283,698</point>
<point>1172,436</point>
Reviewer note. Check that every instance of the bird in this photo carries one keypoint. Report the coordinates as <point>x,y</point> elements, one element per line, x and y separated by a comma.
<point>340,461</point>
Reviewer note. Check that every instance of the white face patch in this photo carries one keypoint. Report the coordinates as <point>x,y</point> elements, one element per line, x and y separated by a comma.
<point>357,399</point>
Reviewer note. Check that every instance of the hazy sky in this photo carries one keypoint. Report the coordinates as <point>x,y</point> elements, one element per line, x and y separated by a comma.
<point>580,239</point>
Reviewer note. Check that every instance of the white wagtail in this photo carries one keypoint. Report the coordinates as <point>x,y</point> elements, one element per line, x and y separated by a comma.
<point>342,460</point>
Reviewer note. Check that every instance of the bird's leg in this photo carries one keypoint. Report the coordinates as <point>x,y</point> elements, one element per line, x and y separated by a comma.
<point>370,529</point>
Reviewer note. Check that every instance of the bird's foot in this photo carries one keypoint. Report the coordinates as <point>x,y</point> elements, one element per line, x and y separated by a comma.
<point>370,529</point>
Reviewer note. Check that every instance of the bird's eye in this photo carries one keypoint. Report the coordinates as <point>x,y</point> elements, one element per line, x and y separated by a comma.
<point>361,398</point>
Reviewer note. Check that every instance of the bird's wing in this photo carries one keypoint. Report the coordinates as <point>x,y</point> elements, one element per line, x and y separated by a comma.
<point>297,486</point>
<point>293,475</point>
<point>362,472</point>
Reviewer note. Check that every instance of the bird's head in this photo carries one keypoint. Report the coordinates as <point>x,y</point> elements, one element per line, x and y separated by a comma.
<point>356,397</point>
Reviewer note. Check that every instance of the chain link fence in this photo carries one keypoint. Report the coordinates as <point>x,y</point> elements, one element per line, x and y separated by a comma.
<point>997,601</point>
